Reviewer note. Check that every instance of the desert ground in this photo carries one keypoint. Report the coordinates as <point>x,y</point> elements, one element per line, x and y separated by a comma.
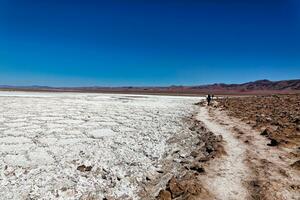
<point>123,146</point>
<point>72,146</point>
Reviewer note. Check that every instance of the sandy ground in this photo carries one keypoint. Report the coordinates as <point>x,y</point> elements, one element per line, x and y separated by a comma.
<point>85,146</point>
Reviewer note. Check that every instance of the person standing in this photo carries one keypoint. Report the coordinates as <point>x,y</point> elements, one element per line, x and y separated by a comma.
<point>208,98</point>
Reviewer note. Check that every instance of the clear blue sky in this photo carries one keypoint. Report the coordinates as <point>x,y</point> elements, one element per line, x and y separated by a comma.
<point>148,42</point>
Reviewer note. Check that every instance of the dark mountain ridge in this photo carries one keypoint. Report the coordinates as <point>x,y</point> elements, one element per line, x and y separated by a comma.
<point>255,87</point>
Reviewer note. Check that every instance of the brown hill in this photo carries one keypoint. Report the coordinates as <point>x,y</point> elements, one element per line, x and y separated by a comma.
<point>256,87</point>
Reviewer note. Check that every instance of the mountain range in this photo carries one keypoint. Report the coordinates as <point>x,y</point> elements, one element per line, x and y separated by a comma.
<point>255,87</point>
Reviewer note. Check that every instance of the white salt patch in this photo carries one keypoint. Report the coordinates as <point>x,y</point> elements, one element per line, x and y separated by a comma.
<point>14,140</point>
<point>67,141</point>
<point>40,157</point>
<point>54,133</point>
<point>100,133</point>
<point>48,140</point>
<point>16,160</point>
<point>15,148</point>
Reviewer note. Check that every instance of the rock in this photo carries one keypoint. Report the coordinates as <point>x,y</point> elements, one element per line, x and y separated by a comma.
<point>192,187</point>
<point>197,167</point>
<point>273,143</point>
<point>296,165</point>
<point>84,168</point>
<point>269,119</point>
<point>175,187</point>
<point>164,195</point>
<point>177,160</point>
<point>296,121</point>
<point>202,159</point>
<point>187,187</point>
<point>88,168</point>
<point>194,154</point>
<point>209,149</point>
<point>192,128</point>
<point>265,132</point>
<point>103,176</point>
<point>219,138</point>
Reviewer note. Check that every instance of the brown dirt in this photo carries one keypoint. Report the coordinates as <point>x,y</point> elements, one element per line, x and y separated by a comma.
<point>276,116</point>
<point>268,126</point>
<point>186,187</point>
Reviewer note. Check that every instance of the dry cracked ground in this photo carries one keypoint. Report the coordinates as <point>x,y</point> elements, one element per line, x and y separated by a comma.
<point>118,146</point>
<point>85,146</point>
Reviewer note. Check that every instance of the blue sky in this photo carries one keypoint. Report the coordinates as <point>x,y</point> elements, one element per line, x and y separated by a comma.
<point>143,42</point>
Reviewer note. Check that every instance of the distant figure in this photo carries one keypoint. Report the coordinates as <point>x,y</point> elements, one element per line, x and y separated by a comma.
<point>208,98</point>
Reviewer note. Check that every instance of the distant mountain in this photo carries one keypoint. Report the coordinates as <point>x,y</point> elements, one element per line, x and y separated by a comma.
<point>256,87</point>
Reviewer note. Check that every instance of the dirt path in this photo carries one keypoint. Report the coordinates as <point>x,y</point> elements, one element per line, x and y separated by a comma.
<point>251,169</point>
<point>227,174</point>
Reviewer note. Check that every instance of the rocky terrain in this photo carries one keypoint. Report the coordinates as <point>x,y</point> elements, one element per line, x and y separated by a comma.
<point>276,116</point>
<point>261,135</point>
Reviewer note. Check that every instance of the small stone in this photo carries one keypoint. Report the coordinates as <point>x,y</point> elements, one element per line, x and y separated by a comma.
<point>219,138</point>
<point>198,168</point>
<point>296,165</point>
<point>202,159</point>
<point>265,132</point>
<point>269,119</point>
<point>209,149</point>
<point>297,121</point>
<point>194,154</point>
<point>84,168</point>
<point>175,187</point>
<point>164,195</point>
<point>88,168</point>
<point>273,143</point>
<point>192,128</point>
